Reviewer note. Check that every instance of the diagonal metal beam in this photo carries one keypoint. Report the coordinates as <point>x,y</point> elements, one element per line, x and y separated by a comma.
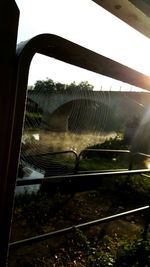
<point>64,50</point>
<point>134,12</point>
<point>143,5</point>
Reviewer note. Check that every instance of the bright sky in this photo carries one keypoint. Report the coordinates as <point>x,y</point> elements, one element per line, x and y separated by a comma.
<point>87,24</point>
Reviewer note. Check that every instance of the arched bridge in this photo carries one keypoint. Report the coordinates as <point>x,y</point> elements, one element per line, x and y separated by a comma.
<point>57,107</point>
<point>50,102</point>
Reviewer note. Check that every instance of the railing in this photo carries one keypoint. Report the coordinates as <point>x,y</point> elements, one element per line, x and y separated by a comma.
<point>84,152</point>
<point>57,233</point>
<point>82,182</point>
<point>34,160</point>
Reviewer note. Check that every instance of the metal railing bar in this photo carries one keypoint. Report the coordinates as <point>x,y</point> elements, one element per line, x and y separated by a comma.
<point>77,157</point>
<point>101,150</point>
<point>29,159</point>
<point>146,227</point>
<point>141,154</point>
<point>54,153</point>
<point>103,171</point>
<point>105,150</point>
<point>145,175</point>
<point>133,155</point>
<point>74,177</point>
<point>44,237</point>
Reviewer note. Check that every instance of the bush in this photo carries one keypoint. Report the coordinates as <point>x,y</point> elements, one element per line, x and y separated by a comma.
<point>136,254</point>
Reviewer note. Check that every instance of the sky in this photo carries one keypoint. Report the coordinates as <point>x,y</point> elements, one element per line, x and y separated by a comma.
<point>89,25</point>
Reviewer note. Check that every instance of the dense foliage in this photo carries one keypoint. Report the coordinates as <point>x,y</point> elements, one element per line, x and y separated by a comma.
<point>51,86</point>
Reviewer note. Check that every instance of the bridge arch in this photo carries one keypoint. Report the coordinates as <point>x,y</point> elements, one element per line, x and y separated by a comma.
<point>87,110</point>
<point>77,115</point>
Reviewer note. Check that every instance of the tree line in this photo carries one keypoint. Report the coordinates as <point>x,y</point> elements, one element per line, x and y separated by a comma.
<point>49,85</point>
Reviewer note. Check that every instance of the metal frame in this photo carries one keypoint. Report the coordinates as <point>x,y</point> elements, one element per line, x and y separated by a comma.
<point>77,182</point>
<point>133,12</point>
<point>9,16</point>
<point>78,157</point>
<point>83,152</point>
<point>14,66</point>
<point>30,159</point>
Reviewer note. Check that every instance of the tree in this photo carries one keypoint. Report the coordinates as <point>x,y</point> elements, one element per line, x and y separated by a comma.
<point>60,87</point>
<point>47,85</point>
<point>85,86</point>
<point>82,86</point>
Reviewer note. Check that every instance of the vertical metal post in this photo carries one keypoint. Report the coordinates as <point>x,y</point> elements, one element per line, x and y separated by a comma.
<point>146,226</point>
<point>130,166</point>
<point>9,16</point>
